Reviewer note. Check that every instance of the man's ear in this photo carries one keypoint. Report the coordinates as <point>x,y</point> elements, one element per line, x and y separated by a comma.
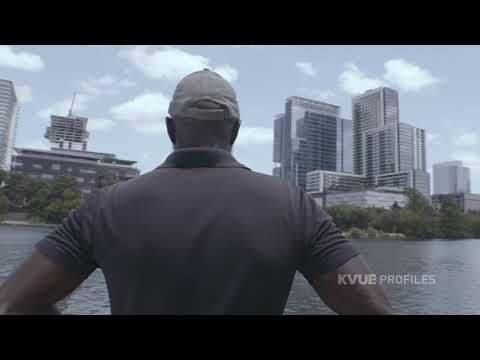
<point>235,129</point>
<point>172,134</point>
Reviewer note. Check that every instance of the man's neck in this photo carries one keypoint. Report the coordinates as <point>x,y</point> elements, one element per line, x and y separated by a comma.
<point>204,147</point>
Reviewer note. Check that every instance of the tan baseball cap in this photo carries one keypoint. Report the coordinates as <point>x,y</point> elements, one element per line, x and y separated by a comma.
<point>204,95</point>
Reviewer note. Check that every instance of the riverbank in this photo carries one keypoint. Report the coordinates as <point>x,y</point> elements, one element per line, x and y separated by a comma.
<point>26,224</point>
<point>371,233</point>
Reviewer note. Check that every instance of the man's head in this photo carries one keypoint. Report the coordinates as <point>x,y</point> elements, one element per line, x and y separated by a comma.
<point>203,112</point>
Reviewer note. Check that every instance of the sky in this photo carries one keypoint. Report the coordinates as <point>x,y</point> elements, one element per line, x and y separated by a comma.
<point>125,91</point>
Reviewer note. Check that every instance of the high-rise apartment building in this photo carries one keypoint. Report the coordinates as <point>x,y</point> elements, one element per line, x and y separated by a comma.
<point>344,146</point>
<point>387,152</point>
<point>451,177</point>
<point>372,109</point>
<point>277,143</point>
<point>8,122</point>
<point>392,148</point>
<point>309,136</point>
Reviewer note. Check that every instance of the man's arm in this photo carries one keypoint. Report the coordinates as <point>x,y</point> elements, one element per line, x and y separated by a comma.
<point>334,267</point>
<point>345,295</point>
<point>36,286</point>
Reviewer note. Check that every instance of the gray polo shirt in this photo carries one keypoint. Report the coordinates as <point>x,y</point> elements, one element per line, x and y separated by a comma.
<point>200,234</point>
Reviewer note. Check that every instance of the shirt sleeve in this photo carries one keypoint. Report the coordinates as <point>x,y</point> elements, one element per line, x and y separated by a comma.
<point>70,244</point>
<point>326,248</point>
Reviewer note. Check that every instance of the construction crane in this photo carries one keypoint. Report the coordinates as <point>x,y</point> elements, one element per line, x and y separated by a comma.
<point>71,107</point>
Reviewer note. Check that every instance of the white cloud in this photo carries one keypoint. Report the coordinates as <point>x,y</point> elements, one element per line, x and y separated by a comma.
<point>466,139</point>
<point>354,81</point>
<point>306,68</point>
<point>145,113</point>
<point>100,124</point>
<point>62,107</point>
<point>20,60</point>
<point>407,76</point>
<point>399,74</point>
<point>227,72</point>
<point>171,63</point>
<point>106,84</point>
<point>145,107</point>
<point>433,138</point>
<point>24,93</point>
<point>254,136</point>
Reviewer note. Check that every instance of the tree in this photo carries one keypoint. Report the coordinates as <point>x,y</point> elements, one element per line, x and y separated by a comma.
<point>53,203</point>
<point>39,201</point>
<point>451,220</point>
<point>17,187</point>
<point>416,201</point>
<point>3,177</point>
<point>3,206</point>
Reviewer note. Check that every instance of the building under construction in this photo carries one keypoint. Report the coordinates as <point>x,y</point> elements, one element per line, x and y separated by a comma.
<point>68,156</point>
<point>68,132</point>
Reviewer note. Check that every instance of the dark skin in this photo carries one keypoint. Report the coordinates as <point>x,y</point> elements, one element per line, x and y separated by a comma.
<point>39,284</point>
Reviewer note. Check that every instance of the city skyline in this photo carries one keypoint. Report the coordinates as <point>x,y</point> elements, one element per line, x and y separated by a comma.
<point>124,91</point>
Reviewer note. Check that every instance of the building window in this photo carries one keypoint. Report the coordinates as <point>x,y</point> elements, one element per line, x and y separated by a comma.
<point>17,164</point>
<point>86,191</point>
<point>37,166</point>
<point>47,176</point>
<point>87,171</point>
<point>56,167</point>
<point>69,169</point>
<point>80,179</point>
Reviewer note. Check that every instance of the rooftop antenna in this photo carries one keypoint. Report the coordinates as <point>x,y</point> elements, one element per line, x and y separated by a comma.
<point>71,107</point>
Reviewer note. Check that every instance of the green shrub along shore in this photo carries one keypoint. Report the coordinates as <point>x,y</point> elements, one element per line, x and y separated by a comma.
<point>417,220</point>
<point>50,203</point>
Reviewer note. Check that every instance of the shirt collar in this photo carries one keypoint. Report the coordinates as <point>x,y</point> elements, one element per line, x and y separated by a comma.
<point>201,157</point>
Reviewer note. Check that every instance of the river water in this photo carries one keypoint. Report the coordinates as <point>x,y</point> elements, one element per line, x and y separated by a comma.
<point>450,270</point>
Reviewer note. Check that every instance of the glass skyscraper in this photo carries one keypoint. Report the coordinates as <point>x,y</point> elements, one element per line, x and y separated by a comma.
<point>309,136</point>
<point>8,122</point>
<point>372,109</point>
<point>344,146</point>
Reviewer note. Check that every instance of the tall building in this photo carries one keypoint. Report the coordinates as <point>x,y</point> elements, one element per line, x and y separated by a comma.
<point>387,152</point>
<point>8,122</point>
<point>68,132</point>
<point>277,143</point>
<point>344,146</point>
<point>392,148</point>
<point>419,149</point>
<point>372,109</point>
<point>451,177</point>
<point>309,136</point>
